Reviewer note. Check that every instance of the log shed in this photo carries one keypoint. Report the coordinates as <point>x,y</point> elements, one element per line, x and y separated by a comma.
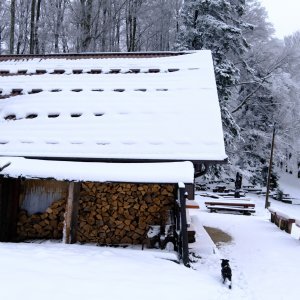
<point>97,147</point>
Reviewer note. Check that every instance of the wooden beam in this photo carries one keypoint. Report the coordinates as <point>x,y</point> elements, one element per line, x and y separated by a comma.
<point>183,231</point>
<point>267,203</point>
<point>71,214</point>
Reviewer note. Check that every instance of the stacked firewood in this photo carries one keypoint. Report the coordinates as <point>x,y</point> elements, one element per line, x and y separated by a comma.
<point>108,214</point>
<point>46,225</point>
<point>121,213</point>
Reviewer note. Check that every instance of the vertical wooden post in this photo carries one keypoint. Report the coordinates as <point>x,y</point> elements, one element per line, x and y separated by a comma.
<point>71,214</point>
<point>267,203</point>
<point>184,234</point>
<point>9,203</point>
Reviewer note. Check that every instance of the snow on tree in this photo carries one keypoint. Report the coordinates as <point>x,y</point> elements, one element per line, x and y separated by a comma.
<point>267,96</point>
<point>217,25</point>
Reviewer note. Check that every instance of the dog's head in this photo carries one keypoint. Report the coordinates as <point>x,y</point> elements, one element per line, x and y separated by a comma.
<point>224,262</point>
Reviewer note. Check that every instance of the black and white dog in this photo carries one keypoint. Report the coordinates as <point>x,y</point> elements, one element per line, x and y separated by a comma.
<point>226,271</point>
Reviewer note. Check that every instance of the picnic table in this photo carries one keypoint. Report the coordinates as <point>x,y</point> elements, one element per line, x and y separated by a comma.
<point>251,188</point>
<point>245,206</point>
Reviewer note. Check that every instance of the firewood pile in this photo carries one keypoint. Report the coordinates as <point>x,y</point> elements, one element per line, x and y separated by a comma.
<point>46,225</point>
<point>108,214</point>
<point>121,213</point>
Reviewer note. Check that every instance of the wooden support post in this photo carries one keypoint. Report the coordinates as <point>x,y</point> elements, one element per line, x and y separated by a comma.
<point>71,214</point>
<point>184,234</point>
<point>9,203</point>
<point>290,225</point>
<point>267,203</point>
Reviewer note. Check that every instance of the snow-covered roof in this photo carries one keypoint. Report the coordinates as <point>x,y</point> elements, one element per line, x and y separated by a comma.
<point>169,172</point>
<point>159,108</point>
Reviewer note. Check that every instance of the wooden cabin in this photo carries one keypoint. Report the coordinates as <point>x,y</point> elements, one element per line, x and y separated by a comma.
<point>101,147</point>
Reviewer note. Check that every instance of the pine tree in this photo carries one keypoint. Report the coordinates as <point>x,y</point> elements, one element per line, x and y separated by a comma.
<point>216,25</point>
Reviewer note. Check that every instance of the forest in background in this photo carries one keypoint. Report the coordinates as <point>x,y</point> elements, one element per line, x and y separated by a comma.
<point>257,75</point>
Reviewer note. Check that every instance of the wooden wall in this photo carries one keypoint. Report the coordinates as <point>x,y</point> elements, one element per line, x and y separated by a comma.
<point>9,201</point>
<point>38,195</point>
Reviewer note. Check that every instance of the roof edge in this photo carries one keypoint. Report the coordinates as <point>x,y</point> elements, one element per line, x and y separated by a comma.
<point>122,160</point>
<point>148,54</point>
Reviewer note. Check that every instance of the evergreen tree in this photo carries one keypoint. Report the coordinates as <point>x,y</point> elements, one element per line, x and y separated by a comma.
<point>216,25</point>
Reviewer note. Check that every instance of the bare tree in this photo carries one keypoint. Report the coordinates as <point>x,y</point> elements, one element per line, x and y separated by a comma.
<point>32,27</point>
<point>60,6</point>
<point>3,24</point>
<point>132,11</point>
<point>12,26</point>
<point>36,27</point>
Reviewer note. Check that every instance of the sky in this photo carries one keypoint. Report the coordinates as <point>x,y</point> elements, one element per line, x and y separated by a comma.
<point>284,14</point>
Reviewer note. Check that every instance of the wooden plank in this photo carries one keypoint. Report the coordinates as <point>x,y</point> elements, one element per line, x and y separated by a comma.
<point>71,214</point>
<point>230,208</point>
<point>192,204</point>
<point>237,208</point>
<point>246,204</point>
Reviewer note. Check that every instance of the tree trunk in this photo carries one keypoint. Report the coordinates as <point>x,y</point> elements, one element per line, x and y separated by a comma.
<point>86,24</point>
<point>12,26</point>
<point>36,38</point>
<point>32,27</point>
<point>60,7</point>
<point>131,24</point>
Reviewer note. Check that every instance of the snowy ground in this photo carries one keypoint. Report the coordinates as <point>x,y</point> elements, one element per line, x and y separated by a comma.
<point>265,263</point>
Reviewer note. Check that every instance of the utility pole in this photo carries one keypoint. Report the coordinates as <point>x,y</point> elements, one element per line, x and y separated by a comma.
<point>267,203</point>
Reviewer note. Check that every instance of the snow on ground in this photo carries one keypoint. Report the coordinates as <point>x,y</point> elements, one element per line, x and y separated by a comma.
<point>290,184</point>
<point>264,259</point>
<point>57,271</point>
<point>265,263</point>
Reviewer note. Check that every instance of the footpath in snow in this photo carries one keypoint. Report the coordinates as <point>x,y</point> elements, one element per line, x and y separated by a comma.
<point>265,260</point>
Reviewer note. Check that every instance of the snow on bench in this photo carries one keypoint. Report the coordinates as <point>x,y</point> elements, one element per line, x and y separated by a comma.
<point>191,204</point>
<point>245,211</point>
<point>244,206</point>
<point>251,188</point>
<point>283,221</point>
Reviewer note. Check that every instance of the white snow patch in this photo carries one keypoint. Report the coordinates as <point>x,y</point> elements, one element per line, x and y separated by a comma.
<point>172,172</point>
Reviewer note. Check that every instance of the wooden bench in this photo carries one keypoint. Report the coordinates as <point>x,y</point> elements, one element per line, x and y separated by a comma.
<point>231,194</point>
<point>244,207</point>
<point>251,188</point>
<point>192,204</point>
<point>281,220</point>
